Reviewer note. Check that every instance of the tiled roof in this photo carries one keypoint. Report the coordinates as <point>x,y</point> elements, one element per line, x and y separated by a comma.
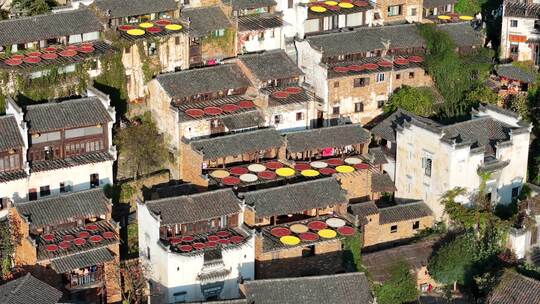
<point>82,259</point>
<point>437,3</point>
<point>243,120</point>
<point>195,207</point>
<point>259,22</point>
<point>65,208</point>
<point>68,162</point>
<point>48,26</point>
<point>523,10</point>
<point>378,156</point>
<point>292,99</point>
<point>238,143</point>
<point>297,197</point>
<point>514,72</point>
<point>329,12</point>
<point>11,136</point>
<point>336,136</point>
<point>233,99</point>
<point>381,182</point>
<point>332,74</point>
<point>367,39</point>
<point>28,289</point>
<point>462,33</point>
<point>250,4</point>
<point>12,175</point>
<point>346,288</point>
<point>205,20</point>
<point>73,113</point>
<point>271,65</point>
<point>386,128</point>
<point>514,288</point>
<point>127,8</point>
<point>404,212</point>
<point>378,263</point>
<point>362,210</point>
<point>203,80</point>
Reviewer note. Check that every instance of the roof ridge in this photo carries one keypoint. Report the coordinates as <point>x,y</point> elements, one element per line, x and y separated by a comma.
<point>259,130</point>
<point>187,196</point>
<point>346,274</point>
<point>48,14</point>
<point>289,185</point>
<point>421,202</point>
<point>92,249</point>
<point>62,195</point>
<point>62,102</point>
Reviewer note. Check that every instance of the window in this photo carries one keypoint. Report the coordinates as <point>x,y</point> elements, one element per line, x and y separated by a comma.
<point>380,77</point>
<point>9,162</point>
<point>514,48</point>
<point>426,164</point>
<point>299,116</point>
<point>416,225</point>
<point>413,11</point>
<point>380,104</point>
<point>359,107</point>
<point>32,194</point>
<point>410,151</point>
<point>336,84</point>
<point>291,3</point>
<point>513,23</point>
<point>394,10</point>
<point>65,187</point>
<point>277,119</point>
<point>94,180</point>
<point>361,82</point>
<point>148,252</point>
<point>515,192</point>
<point>393,229</point>
<point>44,191</point>
<point>335,110</point>
<point>308,251</point>
<point>177,40</point>
<point>180,297</point>
<point>411,75</point>
<point>398,76</point>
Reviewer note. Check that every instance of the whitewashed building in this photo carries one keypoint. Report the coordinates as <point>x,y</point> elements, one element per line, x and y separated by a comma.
<point>432,158</point>
<point>58,147</point>
<point>520,32</point>
<point>196,247</point>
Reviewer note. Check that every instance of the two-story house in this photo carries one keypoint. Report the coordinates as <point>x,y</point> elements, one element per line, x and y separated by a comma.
<point>520,31</point>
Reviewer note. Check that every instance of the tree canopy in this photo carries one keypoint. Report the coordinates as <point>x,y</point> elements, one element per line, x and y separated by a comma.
<point>33,7</point>
<point>467,7</point>
<point>452,262</point>
<point>399,288</point>
<point>415,100</point>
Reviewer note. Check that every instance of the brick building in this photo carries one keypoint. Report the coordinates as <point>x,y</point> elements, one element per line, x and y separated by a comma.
<point>72,242</point>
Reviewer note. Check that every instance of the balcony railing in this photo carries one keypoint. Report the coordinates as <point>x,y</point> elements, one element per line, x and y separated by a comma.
<point>85,280</point>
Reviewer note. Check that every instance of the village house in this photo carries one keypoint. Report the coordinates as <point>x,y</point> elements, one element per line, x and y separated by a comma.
<point>296,238</point>
<point>28,289</point>
<point>212,34</point>
<point>397,11</point>
<point>320,56</point>
<point>416,256</point>
<point>432,158</point>
<point>287,104</point>
<point>381,226</point>
<point>434,8</point>
<point>509,80</point>
<point>64,43</point>
<point>58,147</point>
<point>71,242</point>
<point>195,246</point>
<point>153,39</point>
<point>260,27</point>
<point>520,37</point>
<point>513,287</point>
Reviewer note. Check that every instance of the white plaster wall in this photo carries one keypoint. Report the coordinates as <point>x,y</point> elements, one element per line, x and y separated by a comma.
<point>268,43</point>
<point>525,27</point>
<point>288,118</point>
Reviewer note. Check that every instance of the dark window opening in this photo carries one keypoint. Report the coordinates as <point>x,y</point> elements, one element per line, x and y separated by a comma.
<point>308,251</point>
<point>416,225</point>
<point>94,180</point>
<point>393,229</point>
<point>44,191</point>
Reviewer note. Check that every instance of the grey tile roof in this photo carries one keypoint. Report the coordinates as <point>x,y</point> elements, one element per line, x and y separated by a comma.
<point>299,99</point>
<point>250,4</point>
<point>11,136</point>
<point>12,175</point>
<point>28,289</point>
<point>367,39</point>
<point>73,113</point>
<point>378,263</point>
<point>259,22</point>
<point>271,65</point>
<point>127,8</point>
<point>514,288</point>
<point>404,212</point>
<point>362,210</point>
<point>437,3</point>
<point>48,26</point>
<point>296,197</point>
<point>336,136</point>
<point>195,207</point>
<point>462,33</point>
<point>523,10</point>
<point>332,74</point>
<point>82,259</point>
<point>243,120</point>
<point>65,208</point>
<point>233,99</point>
<point>513,72</point>
<point>346,288</point>
<point>378,156</point>
<point>381,182</point>
<point>386,128</point>
<point>68,162</point>
<point>238,143</point>
<point>203,80</point>
<point>205,19</point>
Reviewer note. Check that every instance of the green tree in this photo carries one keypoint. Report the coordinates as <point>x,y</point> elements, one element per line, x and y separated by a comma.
<point>33,7</point>
<point>142,147</point>
<point>415,100</point>
<point>351,251</point>
<point>467,7</point>
<point>399,288</point>
<point>481,94</point>
<point>519,104</point>
<point>452,262</point>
